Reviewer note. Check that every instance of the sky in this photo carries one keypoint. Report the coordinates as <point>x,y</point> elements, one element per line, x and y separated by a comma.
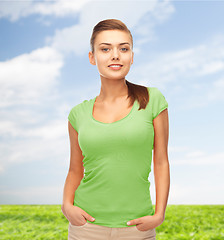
<point>45,71</point>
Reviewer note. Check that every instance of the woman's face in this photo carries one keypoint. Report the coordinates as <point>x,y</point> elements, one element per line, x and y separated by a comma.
<point>112,47</point>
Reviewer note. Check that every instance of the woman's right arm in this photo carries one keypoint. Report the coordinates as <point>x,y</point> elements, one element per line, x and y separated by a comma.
<point>75,172</point>
<point>74,214</point>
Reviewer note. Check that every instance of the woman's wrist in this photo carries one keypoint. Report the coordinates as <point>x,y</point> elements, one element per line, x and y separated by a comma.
<point>65,207</point>
<point>160,216</point>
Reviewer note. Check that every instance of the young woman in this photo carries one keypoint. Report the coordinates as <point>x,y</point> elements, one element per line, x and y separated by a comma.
<point>112,137</point>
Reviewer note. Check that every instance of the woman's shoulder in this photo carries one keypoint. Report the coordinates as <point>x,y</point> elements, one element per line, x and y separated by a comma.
<point>157,101</point>
<point>154,91</point>
<point>82,105</point>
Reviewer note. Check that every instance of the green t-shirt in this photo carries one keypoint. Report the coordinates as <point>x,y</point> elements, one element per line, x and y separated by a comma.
<point>117,162</point>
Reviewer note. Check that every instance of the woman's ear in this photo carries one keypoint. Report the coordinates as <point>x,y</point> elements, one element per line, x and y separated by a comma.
<point>91,58</point>
<point>132,58</point>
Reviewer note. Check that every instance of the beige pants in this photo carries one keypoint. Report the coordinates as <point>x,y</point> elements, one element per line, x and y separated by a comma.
<point>91,231</point>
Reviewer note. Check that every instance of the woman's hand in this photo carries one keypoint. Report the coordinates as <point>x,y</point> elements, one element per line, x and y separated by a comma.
<point>147,222</point>
<point>75,215</point>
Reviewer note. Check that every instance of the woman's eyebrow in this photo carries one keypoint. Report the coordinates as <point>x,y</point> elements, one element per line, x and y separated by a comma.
<point>111,44</point>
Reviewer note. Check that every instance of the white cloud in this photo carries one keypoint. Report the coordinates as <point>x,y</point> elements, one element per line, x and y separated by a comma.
<point>35,143</point>
<point>213,67</point>
<point>28,83</point>
<point>194,75</point>
<point>195,154</point>
<point>199,158</point>
<point>58,8</point>
<point>196,187</point>
<point>32,195</point>
<point>195,177</point>
<point>29,77</point>
<point>175,67</point>
<point>163,10</point>
<point>177,149</point>
<point>49,131</point>
<point>76,38</point>
<point>217,90</point>
<point>14,10</point>
<point>182,193</point>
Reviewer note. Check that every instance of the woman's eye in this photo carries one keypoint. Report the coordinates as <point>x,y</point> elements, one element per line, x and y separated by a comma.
<point>105,49</point>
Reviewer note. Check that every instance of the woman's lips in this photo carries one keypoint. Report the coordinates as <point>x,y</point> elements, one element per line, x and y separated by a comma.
<point>115,67</point>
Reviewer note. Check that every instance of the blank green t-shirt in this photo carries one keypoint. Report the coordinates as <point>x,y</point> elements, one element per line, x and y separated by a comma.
<point>117,162</point>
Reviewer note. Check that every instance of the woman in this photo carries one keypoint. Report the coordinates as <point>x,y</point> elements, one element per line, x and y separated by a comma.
<point>111,137</point>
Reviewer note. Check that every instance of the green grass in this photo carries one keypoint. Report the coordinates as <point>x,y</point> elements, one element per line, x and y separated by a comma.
<point>182,222</point>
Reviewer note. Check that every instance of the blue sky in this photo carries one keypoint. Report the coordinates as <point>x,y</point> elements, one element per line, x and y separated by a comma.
<point>45,71</point>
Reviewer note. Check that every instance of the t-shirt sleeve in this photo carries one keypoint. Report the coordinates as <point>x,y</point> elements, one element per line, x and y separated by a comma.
<point>73,118</point>
<point>159,103</point>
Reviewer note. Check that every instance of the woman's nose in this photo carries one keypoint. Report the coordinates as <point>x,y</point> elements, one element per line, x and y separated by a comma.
<point>115,54</point>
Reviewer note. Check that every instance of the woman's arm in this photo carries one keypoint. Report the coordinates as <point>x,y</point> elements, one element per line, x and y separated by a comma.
<point>161,162</point>
<point>161,174</point>
<point>76,170</point>
<point>75,215</point>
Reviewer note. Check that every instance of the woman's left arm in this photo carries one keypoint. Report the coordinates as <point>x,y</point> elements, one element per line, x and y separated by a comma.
<point>161,174</point>
<point>161,163</point>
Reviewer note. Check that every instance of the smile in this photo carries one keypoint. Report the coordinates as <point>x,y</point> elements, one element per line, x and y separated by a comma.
<point>115,67</point>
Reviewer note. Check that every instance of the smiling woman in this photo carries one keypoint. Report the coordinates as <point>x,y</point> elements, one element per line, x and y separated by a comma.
<point>112,137</point>
<point>109,52</point>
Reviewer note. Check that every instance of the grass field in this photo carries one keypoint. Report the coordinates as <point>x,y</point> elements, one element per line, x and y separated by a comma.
<point>188,222</point>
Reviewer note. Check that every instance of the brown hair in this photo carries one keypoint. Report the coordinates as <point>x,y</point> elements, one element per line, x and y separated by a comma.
<point>135,91</point>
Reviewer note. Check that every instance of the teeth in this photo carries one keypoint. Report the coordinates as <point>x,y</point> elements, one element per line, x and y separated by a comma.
<point>115,66</point>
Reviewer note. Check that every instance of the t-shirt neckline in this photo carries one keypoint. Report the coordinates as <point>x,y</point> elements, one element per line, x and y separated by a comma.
<point>118,121</point>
